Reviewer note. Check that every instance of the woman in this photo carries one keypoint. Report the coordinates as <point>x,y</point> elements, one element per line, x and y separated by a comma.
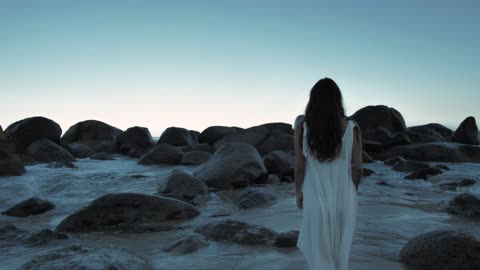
<point>328,169</point>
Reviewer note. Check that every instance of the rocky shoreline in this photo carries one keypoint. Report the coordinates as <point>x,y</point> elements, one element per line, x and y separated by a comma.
<point>244,161</point>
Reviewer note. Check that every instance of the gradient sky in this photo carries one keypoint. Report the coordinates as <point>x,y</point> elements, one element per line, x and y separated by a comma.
<point>197,63</point>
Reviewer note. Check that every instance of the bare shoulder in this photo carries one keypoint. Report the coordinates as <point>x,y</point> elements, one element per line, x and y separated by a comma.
<point>299,120</point>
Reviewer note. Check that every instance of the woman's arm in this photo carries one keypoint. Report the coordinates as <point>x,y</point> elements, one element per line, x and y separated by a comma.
<point>357,162</point>
<point>299,160</point>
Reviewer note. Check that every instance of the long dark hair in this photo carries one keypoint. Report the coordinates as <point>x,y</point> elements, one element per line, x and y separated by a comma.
<point>322,117</point>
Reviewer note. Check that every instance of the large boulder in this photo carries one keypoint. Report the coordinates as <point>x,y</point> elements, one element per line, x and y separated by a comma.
<point>286,239</point>
<point>187,245</point>
<point>162,154</point>
<point>409,166</point>
<point>253,136</point>
<point>28,207</point>
<point>10,164</point>
<point>237,232</point>
<point>279,126</point>
<point>195,157</point>
<point>442,250</point>
<point>437,129</point>
<point>183,184</point>
<point>196,147</point>
<point>465,204</point>
<point>80,150</point>
<point>234,165</point>
<point>128,211</point>
<point>177,136</point>
<point>437,152</point>
<point>79,258</point>
<point>426,136</point>
<point>24,132</point>
<point>253,197</point>
<point>134,141</point>
<point>46,151</point>
<point>465,182</point>
<point>467,132</point>
<point>279,163</point>
<point>96,134</point>
<point>277,140</point>
<point>424,173</point>
<point>214,133</point>
<point>371,117</point>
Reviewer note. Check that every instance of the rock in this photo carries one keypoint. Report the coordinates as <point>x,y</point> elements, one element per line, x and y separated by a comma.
<point>183,184</point>
<point>101,156</point>
<point>437,152</point>
<point>467,132</point>
<point>32,206</point>
<point>128,211</point>
<point>96,134</point>
<point>442,167</point>
<point>195,157</point>
<point>279,163</point>
<point>371,117</point>
<point>196,147</point>
<point>465,204</point>
<point>253,197</point>
<point>409,166</point>
<point>393,160</point>
<point>367,172</point>
<point>426,136</point>
<point>234,165</point>
<point>459,183</point>
<point>214,133</point>
<point>366,158</point>
<point>80,150</point>
<point>286,239</point>
<point>280,127</point>
<point>177,136</point>
<point>200,199</point>
<point>10,164</point>
<point>79,258</point>
<point>277,140</point>
<point>135,141</point>
<point>58,164</point>
<point>273,179</point>
<point>187,245</point>
<point>442,250</point>
<point>11,236</point>
<point>443,131</point>
<point>24,132</point>
<point>383,183</point>
<point>424,173</point>
<point>237,232</point>
<point>162,154</point>
<point>254,136</point>
<point>44,237</point>
<point>46,151</point>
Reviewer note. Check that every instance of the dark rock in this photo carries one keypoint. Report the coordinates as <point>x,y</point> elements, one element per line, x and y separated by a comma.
<point>10,164</point>
<point>234,165</point>
<point>24,132</point>
<point>237,232</point>
<point>79,258</point>
<point>254,136</point>
<point>32,206</point>
<point>195,157</point>
<point>424,173</point>
<point>366,158</point>
<point>214,133</point>
<point>280,127</point>
<point>383,183</point>
<point>371,117</point>
<point>443,131</point>
<point>393,160</point>
<point>96,134</point>
<point>442,250</point>
<point>465,204</point>
<point>200,199</point>
<point>253,197</point>
<point>367,172</point>
<point>101,156</point>
<point>187,245</point>
<point>437,152</point>
<point>128,211</point>
<point>45,236</point>
<point>162,154</point>
<point>279,163</point>
<point>442,167</point>
<point>409,166</point>
<point>58,164</point>
<point>11,236</point>
<point>286,179</point>
<point>196,147</point>
<point>135,141</point>
<point>80,150</point>
<point>272,179</point>
<point>177,136</point>
<point>46,151</point>
<point>467,132</point>
<point>426,137</point>
<point>183,184</point>
<point>460,183</point>
<point>277,140</point>
<point>286,239</point>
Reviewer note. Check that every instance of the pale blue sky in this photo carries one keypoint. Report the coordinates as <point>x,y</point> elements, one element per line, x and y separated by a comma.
<point>200,63</point>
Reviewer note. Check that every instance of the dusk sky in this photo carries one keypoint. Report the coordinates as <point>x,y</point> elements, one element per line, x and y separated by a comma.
<point>196,64</point>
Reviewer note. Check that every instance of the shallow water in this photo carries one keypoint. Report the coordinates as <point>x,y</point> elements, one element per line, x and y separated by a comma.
<point>387,215</point>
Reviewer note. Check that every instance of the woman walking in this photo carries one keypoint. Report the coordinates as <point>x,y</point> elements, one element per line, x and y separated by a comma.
<point>328,169</point>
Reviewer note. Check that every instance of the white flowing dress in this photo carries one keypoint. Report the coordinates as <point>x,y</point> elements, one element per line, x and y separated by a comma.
<point>329,207</point>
